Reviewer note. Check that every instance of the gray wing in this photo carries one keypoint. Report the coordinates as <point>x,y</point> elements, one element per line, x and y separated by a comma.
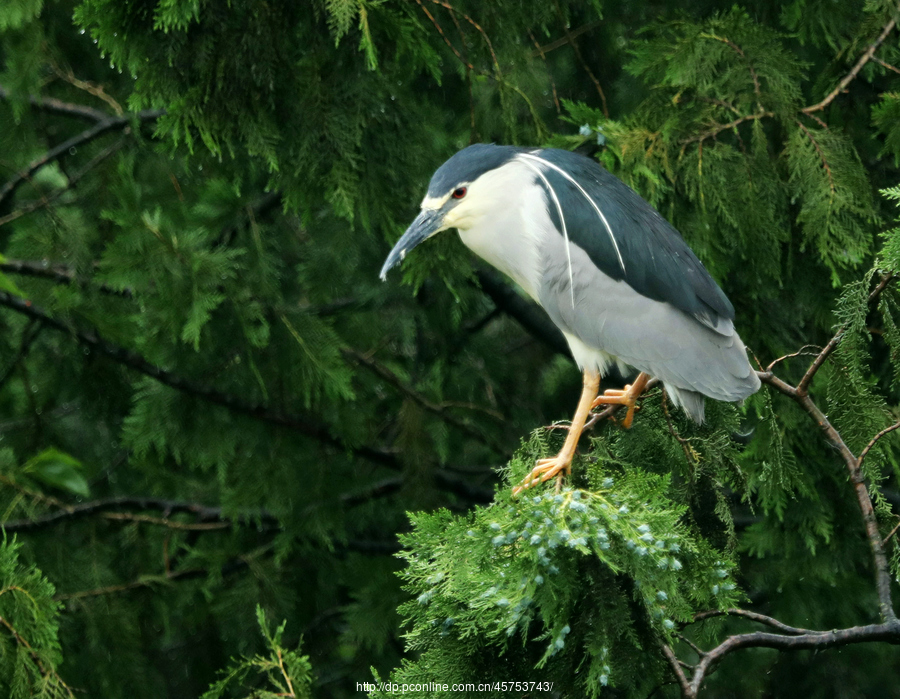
<point>628,239</point>
<point>614,321</point>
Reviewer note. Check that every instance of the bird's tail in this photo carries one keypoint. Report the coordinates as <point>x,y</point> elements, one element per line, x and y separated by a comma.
<point>691,402</point>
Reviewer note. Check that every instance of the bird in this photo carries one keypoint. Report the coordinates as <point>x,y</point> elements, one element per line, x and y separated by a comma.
<point>614,276</point>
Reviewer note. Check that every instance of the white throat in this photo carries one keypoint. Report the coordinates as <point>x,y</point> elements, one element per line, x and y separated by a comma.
<point>495,229</point>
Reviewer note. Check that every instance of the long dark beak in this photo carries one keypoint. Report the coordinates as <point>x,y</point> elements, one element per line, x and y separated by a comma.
<point>427,223</point>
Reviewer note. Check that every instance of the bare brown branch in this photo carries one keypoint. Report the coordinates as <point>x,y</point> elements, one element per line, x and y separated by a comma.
<point>110,506</point>
<point>754,616</point>
<point>92,88</point>
<point>863,59</point>
<point>882,574</point>
<point>802,352</point>
<point>890,534</point>
<point>55,106</point>
<point>677,670</point>
<point>874,441</point>
<point>478,28</point>
<point>885,64</point>
<point>816,640</point>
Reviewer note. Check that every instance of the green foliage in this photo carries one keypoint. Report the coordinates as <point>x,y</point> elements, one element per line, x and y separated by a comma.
<point>729,54</point>
<point>7,284</point>
<point>285,672</point>
<point>212,405</point>
<point>17,13</point>
<point>59,470</point>
<point>30,652</point>
<point>574,586</point>
<point>557,575</point>
<point>837,213</point>
<point>886,115</point>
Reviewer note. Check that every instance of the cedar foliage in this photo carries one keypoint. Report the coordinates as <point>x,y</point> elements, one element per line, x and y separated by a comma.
<point>212,413</point>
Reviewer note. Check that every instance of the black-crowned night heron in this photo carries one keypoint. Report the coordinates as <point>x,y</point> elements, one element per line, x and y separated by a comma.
<point>613,275</point>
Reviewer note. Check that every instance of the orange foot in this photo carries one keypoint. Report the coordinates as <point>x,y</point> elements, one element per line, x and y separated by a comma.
<point>628,397</point>
<point>561,464</point>
<point>545,469</point>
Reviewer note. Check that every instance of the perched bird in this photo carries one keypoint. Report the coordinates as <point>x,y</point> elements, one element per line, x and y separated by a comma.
<point>611,272</point>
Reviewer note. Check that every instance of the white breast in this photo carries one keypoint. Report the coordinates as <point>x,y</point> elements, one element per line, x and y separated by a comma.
<point>498,232</point>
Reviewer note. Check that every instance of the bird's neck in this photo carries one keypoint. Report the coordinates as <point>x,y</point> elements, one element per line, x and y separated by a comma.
<point>508,233</point>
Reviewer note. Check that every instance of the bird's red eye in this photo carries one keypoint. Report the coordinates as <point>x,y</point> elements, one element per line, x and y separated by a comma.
<point>459,192</point>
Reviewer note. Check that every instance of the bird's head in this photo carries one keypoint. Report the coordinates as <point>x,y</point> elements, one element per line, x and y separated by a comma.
<point>460,193</point>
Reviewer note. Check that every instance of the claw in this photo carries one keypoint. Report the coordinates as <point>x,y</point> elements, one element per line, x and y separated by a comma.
<point>544,470</point>
<point>561,464</point>
<point>627,397</point>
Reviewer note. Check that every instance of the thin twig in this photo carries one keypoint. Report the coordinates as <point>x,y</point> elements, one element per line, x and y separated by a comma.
<point>874,441</point>
<point>542,54</point>
<point>888,631</point>
<point>107,507</point>
<point>420,400</point>
<point>284,673</point>
<point>737,49</point>
<point>863,59</point>
<point>885,64</point>
<point>681,440</point>
<point>892,532</point>
<point>718,128</point>
<point>146,581</point>
<point>557,43</point>
<point>676,669</point>
<point>306,425</point>
<point>478,28</point>
<point>165,522</point>
<point>377,548</point>
<point>496,75</point>
<point>527,314</point>
<point>61,274</point>
<point>825,165</point>
<point>697,649</point>
<point>580,57</point>
<point>803,386</point>
<point>29,335</point>
<point>447,41</point>
<point>754,616</point>
<point>91,88</point>
<point>802,352</point>
<point>55,106</point>
<point>473,136</point>
<point>208,518</point>
<point>100,128</point>
<point>70,184</point>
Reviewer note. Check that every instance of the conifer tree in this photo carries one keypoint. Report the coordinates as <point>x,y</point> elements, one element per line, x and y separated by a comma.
<point>233,463</point>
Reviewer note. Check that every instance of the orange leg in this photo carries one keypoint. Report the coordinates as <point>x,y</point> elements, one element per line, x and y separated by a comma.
<point>628,397</point>
<point>561,464</point>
